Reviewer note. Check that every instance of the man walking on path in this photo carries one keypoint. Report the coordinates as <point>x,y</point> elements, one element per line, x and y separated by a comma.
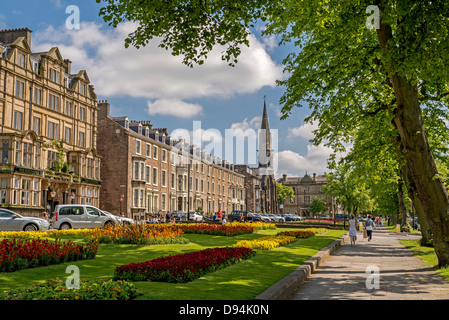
<point>382,269</point>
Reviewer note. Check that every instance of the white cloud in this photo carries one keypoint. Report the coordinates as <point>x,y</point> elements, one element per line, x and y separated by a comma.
<point>293,163</point>
<point>304,131</point>
<point>254,123</point>
<point>153,73</point>
<point>174,107</point>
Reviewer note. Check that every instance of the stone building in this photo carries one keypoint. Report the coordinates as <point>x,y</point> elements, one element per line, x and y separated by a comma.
<point>260,182</point>
<point>305,189</point>
<point>48,129</point>
<point>145,171</point>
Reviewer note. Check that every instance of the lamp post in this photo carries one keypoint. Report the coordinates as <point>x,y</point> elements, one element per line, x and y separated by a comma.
<point>52,195</point>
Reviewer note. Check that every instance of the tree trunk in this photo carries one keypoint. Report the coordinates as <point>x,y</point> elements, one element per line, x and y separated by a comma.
<point>402,209</point>
<point>420,162</point>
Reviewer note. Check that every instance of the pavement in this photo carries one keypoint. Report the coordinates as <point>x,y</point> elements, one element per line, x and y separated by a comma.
<point>381,269</point>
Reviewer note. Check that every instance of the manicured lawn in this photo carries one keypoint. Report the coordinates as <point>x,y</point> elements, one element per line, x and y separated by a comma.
<point>427,254</point>
<point>244,280</point>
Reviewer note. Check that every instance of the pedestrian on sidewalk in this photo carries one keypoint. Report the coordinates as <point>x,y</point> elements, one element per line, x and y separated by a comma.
<point>369,226</point>
<point>352,229</point>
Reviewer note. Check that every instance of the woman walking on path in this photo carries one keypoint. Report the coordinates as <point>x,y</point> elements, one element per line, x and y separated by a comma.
<point>352,229</point>
<point>369,225</point>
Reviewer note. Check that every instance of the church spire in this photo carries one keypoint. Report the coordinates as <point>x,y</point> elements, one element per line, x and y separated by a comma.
<point>264,139</point>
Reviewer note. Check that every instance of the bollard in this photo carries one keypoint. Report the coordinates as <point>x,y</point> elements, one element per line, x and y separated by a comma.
<point>360,226</point>
<point>398,228</point>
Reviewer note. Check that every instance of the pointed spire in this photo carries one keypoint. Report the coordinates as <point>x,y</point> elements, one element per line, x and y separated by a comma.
<point>265,115</point>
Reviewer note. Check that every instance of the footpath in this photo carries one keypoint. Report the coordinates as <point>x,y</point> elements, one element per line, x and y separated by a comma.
<point>382,269</point>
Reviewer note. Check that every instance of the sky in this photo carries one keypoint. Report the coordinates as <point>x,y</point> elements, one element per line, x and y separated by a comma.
<point>151,84</point>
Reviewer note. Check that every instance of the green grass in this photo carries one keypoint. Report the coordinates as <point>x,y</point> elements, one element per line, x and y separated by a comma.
<point>242,281</point>
<point>426,254</point>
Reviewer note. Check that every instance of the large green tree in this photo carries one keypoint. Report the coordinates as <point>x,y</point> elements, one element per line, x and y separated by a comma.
<point>341,69</point>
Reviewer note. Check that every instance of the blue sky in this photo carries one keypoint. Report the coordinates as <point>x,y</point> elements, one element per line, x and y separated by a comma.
<point>150,84</point>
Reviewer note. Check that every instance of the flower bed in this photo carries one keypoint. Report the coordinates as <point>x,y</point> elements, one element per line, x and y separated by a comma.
<point>88,290</point>
<point>266,243</point>
<point>43,234</point>
<point>17,254</point>
<point>301,233</point>
<point>227,229</point>
<point>138,234</point>
<point>184,267</point>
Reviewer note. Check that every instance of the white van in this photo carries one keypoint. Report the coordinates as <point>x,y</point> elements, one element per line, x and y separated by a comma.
<point>79,216</point>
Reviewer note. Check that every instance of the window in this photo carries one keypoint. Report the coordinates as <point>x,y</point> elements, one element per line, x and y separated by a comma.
<point>81,139</point>
<point>82,114</point>
<point>148,150</point>
<point>68,135</point>
<point>21,59</point>
<point>18,120</point>
<point>20,89</point>
<point>141,198</point>
<point>138,147</point>
<point>54,75</point>
<point>83,89</point>
<point>25,194</point>
<point>163,200</point>
<point>136,170</point>
<point>37,125</point>
<point>37,96</point>
<point>164,155</point>
<point>147,174</point>
<point>173,181</point>
<point>135,197</point>
<point>3,190</point>
<point>53,102</point>
<point>68,108</point>
<point>155,152</point>
<point>155,176</point>
<point>164,178</point>
<point>51,159</point>
<point>53,130</point>
<point>27,158</point>
<point>4,151</point>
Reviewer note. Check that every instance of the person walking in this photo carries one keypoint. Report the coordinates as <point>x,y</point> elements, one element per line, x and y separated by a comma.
<point>369,226</point>
<point>352,229</point>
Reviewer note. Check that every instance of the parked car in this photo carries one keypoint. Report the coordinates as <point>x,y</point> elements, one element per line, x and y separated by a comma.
<point>234,216</point>
<point>258,217</point>
<point>179,215</point>
<point>114,218</point>
<point>78,216</point>
<point>276,217</point>
<point>126,221</point>
<point>195,216</point>
<point>11,221</point>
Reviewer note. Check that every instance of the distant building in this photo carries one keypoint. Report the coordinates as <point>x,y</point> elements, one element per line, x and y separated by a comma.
<point>47,129</point>
<point>305,189</point>
<point>260,182</point>
<point>145,171</point>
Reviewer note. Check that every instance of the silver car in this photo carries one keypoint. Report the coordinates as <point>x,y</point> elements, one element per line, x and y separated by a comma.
<point>11,221</point>
<point>80,216</point>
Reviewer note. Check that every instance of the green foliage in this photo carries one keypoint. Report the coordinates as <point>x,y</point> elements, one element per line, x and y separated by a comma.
<point>284,192</point>
<point>55,289</point>
<point>317,205</point>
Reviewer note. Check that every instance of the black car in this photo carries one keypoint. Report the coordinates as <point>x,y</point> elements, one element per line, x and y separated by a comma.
<point>235,216</point>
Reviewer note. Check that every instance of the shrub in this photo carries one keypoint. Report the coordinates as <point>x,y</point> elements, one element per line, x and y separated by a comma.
<point>55,289</point>
<point>184,267</point>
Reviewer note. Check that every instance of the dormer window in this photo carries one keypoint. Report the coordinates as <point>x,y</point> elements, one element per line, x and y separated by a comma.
<point>83,89</point>
<point>126,124</point>
<point>147,132</point>
<point>54,75</point>
<point>21,59</point>
<point>139,129</point>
